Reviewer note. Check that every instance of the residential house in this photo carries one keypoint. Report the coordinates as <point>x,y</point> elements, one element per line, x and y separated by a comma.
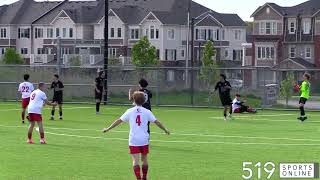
<point>34,29</point>
<point>286,38</point>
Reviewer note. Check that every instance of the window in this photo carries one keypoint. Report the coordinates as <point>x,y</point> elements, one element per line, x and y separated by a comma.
<point>134,33</point>
<point>237,34</point>
<point>24,50</point>
<point>226,53</point>
<point>113,52</point>
<point>157,33</point>
<point>306,26</point>
<point>64,32</point>
<point>266,53</point>
<point>268,28</point>
<point>49,33</point>
<point>38,33</point>
<point>147,33</point>
<point>152,33</point>
<point>308,53</point>
<point>183,53</point>
<point>66,51</point>
<point>171,54</point>
<point>170,75</point>
<point>171,35</point>
<point>119,33</point>
<point>292,52</point>
<point>223,34</point>
<point>292,28</point>
<point>203,34</point>
<point>237,55</point>
<point>3,33</point>
<point>70,32</point>
<point>23,33</point>
<point>41,51</point>
<point>210,34</point>
<point>57,32</point>
<point>112,35</point>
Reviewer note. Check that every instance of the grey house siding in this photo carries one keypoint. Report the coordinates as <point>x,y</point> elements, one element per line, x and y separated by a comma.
<point>263,15</point>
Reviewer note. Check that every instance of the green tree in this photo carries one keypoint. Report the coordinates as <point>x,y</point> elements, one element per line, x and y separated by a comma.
<point>12,57</point>
<point>286,88</point>
<point>209,69</point>
<point>144,55</point>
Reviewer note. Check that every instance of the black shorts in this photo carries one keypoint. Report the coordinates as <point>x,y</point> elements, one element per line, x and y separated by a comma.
<point>303,100</point>
<point>98,95</point>
<point>226,100</point>
<point>58,99</point>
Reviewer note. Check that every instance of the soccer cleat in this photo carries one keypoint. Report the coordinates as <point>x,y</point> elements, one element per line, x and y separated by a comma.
<point>225,119</point>
<point>28,118</point>
<point>30,141</point>
<point>22,121</point>
<point>52,118</point>
<point>302,119</point>
<point>43,141</point>
<point>61,118</point>
<point>97,113</point>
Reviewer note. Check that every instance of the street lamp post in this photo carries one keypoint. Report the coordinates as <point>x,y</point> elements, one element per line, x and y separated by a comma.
<point>106,52</point>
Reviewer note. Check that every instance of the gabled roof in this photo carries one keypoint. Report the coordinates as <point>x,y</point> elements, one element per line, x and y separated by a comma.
<point>299,62</point>
<point>308,8</point>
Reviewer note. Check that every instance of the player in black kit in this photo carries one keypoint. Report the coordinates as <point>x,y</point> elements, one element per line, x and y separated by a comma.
<point>57,87</point>
<point>99,82</point>
<point>224,88</point>
<point>147,94</point>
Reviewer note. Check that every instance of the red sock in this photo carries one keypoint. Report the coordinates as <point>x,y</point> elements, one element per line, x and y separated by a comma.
<point>137,172</point>
<point>41,135</point>
<point>145,172</point>
<point>22,116</point>
<point>29,135</point>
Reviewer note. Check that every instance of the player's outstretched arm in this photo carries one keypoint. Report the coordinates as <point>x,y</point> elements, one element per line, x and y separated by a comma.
<point>161,126</point>
<point>49,103</point>
<point>113,125</point>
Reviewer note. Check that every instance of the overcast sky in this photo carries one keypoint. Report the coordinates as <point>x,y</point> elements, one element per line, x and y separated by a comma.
<point>244,8</point>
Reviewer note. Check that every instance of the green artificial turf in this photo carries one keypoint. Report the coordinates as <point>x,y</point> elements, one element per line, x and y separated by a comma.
<point>202,146</point>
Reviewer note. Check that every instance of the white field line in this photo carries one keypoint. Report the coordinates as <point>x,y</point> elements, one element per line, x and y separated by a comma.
<point>181,134</point>
<point>66,108</point>
<point>266,120</point>
<point>186,142</point>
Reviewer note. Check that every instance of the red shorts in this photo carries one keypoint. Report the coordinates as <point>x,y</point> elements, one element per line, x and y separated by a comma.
<point>139,149</point>
<point>25,102</point>
<point>35,117</point>
<point>238,110</point>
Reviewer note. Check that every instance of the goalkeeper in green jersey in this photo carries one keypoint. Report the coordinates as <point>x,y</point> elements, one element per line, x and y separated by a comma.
<point>305,95</point>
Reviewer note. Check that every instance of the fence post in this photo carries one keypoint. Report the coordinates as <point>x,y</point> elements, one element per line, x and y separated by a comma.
<point>157,87</point>
<point>59,53</point>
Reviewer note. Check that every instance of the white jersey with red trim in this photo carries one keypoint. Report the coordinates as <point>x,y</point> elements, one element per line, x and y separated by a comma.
<point>37,99</point>
<point>138,118</point>
<point>25,89</point>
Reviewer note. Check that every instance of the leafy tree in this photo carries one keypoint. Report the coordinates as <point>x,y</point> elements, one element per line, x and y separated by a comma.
<point>12,57</point>
<point>209,69</point>
<point>75,61</point>
<point>144,55</point>
<point>286,88</point>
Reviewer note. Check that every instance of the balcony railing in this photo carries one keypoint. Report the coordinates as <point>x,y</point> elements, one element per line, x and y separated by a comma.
<point>41,58</point>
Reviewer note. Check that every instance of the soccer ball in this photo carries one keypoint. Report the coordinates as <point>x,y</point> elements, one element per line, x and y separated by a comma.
<point>296,88</point>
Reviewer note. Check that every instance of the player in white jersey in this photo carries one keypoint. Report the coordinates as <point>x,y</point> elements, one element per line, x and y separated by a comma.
<point>37,100</point>
<point>25,89</point>
<point>138,118</point>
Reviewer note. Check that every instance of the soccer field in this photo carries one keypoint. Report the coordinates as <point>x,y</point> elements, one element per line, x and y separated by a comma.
<point>202,146</point>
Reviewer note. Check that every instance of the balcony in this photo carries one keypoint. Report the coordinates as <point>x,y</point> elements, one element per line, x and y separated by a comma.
<point>41,58</point>
<point>203,42</point>
<point>299,38</point>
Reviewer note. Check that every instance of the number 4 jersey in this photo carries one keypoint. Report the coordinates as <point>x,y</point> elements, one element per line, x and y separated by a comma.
<point>138,118</point>
<point>26,89</point>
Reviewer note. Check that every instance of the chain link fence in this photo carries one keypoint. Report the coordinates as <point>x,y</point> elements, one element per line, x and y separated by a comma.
<point>169,85</point>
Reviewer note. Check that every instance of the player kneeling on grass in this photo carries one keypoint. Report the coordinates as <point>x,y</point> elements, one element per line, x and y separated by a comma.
<point>305,95</point>
<point>239,106</point>
<point>37,101</point>
<point>138,118</point>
